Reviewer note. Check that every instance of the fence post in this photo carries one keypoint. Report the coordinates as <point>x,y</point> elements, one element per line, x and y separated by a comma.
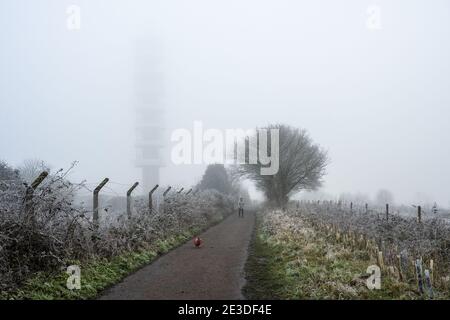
<point>189,191</point>
<point>129,198</point>
<point>367,208</point>
<point>432,270</point>
<point>387,211</point>
<point>167,191</point>
<point>380,260</point>
<point>428,283</point>
<point>150,198</point>
<point>164,197</point>
<point>95,202</point>
<point>419,214</point>
<point>351,207</point>
<point>418,267</point>
<point>179,191</point>
<point>400,267</point>
<point>29,208</point>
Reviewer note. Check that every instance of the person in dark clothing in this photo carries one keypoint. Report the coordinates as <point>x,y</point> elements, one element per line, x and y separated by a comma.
<point>241,207</point>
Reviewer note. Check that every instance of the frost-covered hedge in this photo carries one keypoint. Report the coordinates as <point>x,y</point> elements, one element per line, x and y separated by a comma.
<point>59,231</point>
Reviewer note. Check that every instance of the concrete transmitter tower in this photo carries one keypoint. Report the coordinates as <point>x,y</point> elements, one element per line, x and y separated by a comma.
<point>149,112</point>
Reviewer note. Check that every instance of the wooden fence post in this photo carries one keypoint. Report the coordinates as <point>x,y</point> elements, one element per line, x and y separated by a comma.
<point>428,283</point>
<point>95,202</point>
<point>419,214</point>
<point>150,198</point>
<point>380,260</point>
<point>387,211</point>
<point>400,267</point>
<point>419,275</point>
<point>129,198</point>
<point>432,270</point>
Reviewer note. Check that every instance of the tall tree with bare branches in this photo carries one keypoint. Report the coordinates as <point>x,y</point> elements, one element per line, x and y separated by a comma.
<point>302,165</point>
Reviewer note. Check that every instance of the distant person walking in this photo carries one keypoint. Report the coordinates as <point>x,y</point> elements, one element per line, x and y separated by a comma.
<point>241,207</point>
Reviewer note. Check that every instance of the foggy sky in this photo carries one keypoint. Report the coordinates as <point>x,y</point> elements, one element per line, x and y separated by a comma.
<point>378,101</point>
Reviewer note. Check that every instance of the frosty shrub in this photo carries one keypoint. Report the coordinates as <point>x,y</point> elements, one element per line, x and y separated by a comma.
<point>56,230</point>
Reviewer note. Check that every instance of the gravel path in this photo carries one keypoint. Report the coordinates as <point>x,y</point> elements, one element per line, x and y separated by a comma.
<point>214,271</point>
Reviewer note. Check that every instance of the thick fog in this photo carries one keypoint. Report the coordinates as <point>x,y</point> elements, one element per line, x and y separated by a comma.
<point>377,98</point>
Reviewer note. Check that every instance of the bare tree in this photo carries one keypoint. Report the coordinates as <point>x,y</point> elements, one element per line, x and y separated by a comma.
<point>31,168</point>
<point>301,166</point>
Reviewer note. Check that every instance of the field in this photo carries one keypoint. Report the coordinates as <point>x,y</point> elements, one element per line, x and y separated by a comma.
<point>320,251</point>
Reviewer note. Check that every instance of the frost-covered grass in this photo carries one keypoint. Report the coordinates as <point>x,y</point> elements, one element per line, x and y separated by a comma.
<point>399,238</point>
<point>291,259</point>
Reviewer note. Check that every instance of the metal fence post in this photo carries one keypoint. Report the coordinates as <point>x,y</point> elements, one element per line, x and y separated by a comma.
<point>95,202</point>
<point>164,197</point>
<point>167,191</point>
<point>29,208</point>
<point>150,198</point>
<point>129,198</point>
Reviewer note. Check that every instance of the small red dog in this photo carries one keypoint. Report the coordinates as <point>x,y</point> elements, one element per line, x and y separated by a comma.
<point>197,241</point>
